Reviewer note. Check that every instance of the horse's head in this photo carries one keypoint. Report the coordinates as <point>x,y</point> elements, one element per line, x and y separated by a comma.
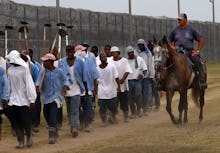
<point>160,55</point>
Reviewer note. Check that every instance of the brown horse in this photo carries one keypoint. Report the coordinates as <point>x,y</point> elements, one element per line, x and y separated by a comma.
<point>177,75</point>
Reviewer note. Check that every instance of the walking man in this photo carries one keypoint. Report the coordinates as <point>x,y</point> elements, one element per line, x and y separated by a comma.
<point>52,84</point>
<point>124,69</point>
<point>108,84</point>
<point>4,94</point>
<point>73,68</point>
<point>139,69</point>
<point>22,98</point>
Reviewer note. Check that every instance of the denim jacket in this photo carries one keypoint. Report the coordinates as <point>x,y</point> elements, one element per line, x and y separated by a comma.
<point>52,85</point>
<point>90,73</point>
<point>78,71</point>
<point>4,86</point>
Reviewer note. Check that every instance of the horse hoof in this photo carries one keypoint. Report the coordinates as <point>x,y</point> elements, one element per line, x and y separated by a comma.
<point>200,121</point>
<point>185,122</point>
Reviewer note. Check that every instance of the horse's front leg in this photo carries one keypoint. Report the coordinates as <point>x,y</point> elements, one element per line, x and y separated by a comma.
<point>180,108</point>
<point>201,100</point>
<point>169,97</point>
<point>185,106</point>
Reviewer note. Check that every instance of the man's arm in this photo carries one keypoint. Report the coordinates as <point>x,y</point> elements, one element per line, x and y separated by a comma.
<point>200,46</point>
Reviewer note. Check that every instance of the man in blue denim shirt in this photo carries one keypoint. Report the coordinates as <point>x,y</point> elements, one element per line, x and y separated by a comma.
<point>4,93</point>
<point>90,76</point>
<point>37,112</point>
<point>52,84</point>
<point>73,69</point>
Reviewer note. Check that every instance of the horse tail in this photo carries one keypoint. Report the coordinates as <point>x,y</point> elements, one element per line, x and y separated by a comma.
<point>195,96</point>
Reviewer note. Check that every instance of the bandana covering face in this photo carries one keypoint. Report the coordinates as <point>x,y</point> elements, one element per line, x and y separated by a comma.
<point>80,54</point>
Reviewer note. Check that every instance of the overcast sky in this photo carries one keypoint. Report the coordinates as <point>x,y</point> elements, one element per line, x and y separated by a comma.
<point>195,9</point>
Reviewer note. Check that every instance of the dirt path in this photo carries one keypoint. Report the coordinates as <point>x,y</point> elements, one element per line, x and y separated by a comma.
<point>66,142</point>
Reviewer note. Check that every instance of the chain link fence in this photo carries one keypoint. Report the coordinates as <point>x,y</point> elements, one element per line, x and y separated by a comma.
<point>95,27</point>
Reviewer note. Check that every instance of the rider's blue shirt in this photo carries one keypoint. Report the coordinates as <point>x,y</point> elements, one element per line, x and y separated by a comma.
<point>184,36</point>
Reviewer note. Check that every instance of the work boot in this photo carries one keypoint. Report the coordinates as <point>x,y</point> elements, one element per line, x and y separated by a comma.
<point>104,119</point>
<point>20,138</point>
<point>52,135</point>
<point>87,128</point>
<point>74,131</point>
<point>20,145</point>
<point>35,129</point>
<point>126,116</point>
<point>29,141</point>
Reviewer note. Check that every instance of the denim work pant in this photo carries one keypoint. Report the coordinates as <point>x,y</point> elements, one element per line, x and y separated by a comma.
<point>85,111</point>
<point>198,65</point>
<point>36,113</point>
<point>72,106</point>
<point>146,94</point>
<point>123,99</point>
<point>60,116</point>
<point>50,114</point>
<point>110,104</point>
<point>20,117</point>
<point>134,96</point>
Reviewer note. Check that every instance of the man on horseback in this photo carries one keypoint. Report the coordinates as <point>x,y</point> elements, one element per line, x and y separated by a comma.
<point>183,35</point>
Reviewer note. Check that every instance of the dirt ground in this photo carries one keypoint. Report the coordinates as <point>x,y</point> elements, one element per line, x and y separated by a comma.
<point>98,134</point>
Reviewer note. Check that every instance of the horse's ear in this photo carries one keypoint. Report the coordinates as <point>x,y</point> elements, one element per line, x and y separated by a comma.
<point>164,40</point>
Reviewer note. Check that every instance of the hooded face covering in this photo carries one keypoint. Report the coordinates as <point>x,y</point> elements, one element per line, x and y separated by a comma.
<point>80,54</point>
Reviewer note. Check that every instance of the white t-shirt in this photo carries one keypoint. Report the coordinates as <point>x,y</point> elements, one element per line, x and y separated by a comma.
<point>123,66</point>
<point>74,88</point>
<point>141,66</point>
<point>107,86</point>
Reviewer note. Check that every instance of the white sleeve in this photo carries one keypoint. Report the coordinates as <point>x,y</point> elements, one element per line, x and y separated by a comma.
<point>115,71</point>
<point>143,65</point>
<point>30,87</point>
<point>127,66</point>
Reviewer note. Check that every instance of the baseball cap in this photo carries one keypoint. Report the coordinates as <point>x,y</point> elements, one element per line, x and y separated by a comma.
<point>182,16</point>
<point>48,56</point>
<point>115,49</point>
<point>85,44</point>
<point>80,47</point>
<point>129,49</point>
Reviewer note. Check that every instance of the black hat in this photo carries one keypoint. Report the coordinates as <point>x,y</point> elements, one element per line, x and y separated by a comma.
<point>85,44</point>
<point>182,16</point>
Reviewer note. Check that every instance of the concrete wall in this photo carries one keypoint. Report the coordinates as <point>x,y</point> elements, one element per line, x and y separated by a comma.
<point>95,27</point>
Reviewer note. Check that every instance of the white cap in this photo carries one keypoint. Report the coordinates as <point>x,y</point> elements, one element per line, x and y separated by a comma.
<point>141,41</point>
<point>15,58</point>
<point>130,49</point>
<point>115,49</point>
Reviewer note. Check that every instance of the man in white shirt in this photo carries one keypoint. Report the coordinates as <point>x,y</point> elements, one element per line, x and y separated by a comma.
<point>108,83</point>
<point>124,69</point>
<point>139,69</point>
<point>22,98</point>
<point>144,52</point>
